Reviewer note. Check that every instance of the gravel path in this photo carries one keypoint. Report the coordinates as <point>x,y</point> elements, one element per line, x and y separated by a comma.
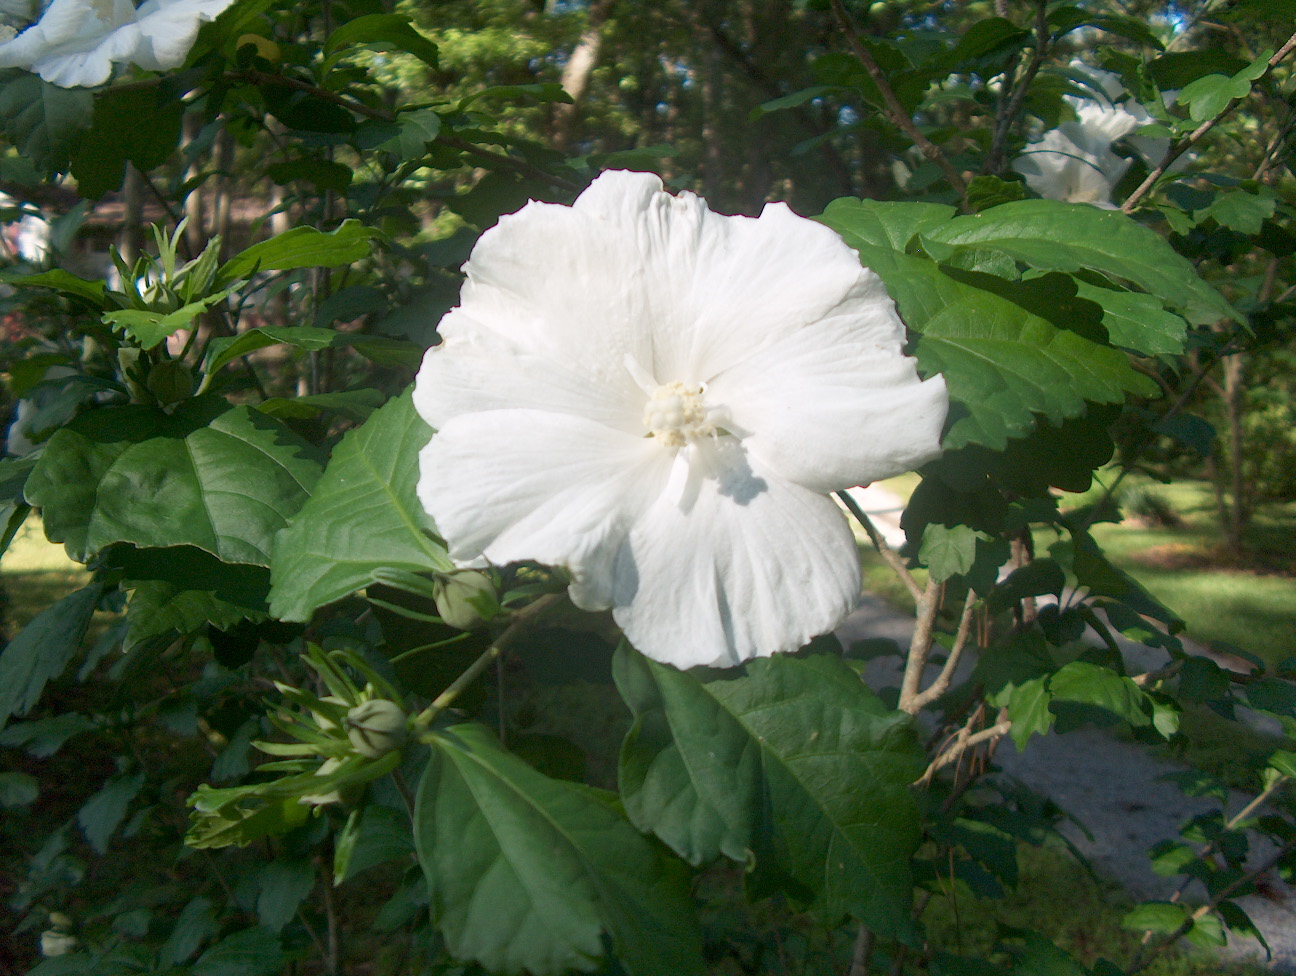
<point>1110,786</point>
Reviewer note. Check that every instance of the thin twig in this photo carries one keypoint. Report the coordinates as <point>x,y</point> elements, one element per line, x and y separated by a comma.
<point>920,646</point>
<point>946,676</point>
<point>1143,958</point>
<point>862,956</point>
<point>1181,146</point>
<point>965,740</point>
<point>889,555</point>
<point>517,624</point>
<point>1004,123</point>
<point>895,110</point>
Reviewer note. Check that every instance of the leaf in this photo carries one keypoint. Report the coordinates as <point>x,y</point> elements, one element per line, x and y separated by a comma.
<point>526,871</point>
<point>792,758</point>
<point>1240,211</point>
<point>949,550</point>
<point>224,482</point>
<point>45,736</point>
<point>116,137</point>
<point>181,589</point>
<point>285,883</point>
<point>1053,236</point>
<point>323,174</point>
<point>196,924</point>
<point>794,100</point>
<point>890,225</point>
<point>59,280</point>
<point>301,247</point>
<point>150,328</point>
<point>354,404</point>
<point>252,952</point>
<point>104,812</point>
<point>226,349</point>
<point>1091,684</point>
<point>418,128</point>
<point>383,835</point>
<point>43,121</point>
<point>18,789</point>
<point>43,649</point>
<point>363,520</point>
<point>1028,710</point>
<point>1137,321</point>
<point>1161,917</point>
<point>1004,363</point>
<point>383,31</point>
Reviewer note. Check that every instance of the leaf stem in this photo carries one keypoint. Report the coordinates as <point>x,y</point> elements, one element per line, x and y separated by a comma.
<point>889,555</point>
<point>520,620</point>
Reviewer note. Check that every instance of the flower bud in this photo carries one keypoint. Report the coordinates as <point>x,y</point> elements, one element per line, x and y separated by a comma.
<point>465,598</point>
<point>264,47</point>
<point>170,381</point>
<point>377,727</point>
<point>56,943</point>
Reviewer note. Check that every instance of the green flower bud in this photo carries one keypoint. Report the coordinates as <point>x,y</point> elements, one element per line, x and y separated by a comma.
<point>170,381</point>
<point>465,598</point>
<point>56,943</point>
<point>377,727</point>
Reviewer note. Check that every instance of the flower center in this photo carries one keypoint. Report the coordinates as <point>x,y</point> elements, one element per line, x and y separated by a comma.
<point>676,412</point>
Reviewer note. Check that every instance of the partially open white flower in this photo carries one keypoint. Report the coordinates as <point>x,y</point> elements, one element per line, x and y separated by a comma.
<point>658,398</point>
<point>77,42</point>
<point>1074,164</point>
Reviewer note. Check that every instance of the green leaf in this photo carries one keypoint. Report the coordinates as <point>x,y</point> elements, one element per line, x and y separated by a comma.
<point>43,121</point>
<point>117,137</point>
<point>224,482</point>
<point>1003,361</point>
<point>949,550</point>
<point>301,247</point>
<point>1240,211</point>
<point>1161,917</point>
<point>18,790</point>
<point>525,872</point>
<point>252,952</point>
<point>888,225</point>
<point>417,128</point>
<point>1090,684</point>
<point>103,813</point>
<point>383,835</point>
<point>1054,236</point>
<point>285,883</point>
<point>60,280</point>
<point>323,174</point>
<point>354,404</point>
<point>150,328</point>
<point>43,649</point>
<point>794,759</point>
<point>226,349</point>
<point>362,522</point>
<point>196,924</point>
<point>383,31</point>
<point>1028,710</point>
<point>794,100</point>
<point>181,589</point>
<point>1137,321</point>
<point>45,736</point>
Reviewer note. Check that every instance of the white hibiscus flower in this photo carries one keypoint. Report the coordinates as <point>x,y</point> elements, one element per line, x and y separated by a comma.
<point>77,42</point>
<point>658,399</point>
<point>1073,163</point>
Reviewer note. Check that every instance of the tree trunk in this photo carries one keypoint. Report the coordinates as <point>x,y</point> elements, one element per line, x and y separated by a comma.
<point>576,74</point>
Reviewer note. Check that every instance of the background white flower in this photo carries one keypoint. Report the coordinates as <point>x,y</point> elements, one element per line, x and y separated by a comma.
<point>658,397</point>
<point>77,42</point>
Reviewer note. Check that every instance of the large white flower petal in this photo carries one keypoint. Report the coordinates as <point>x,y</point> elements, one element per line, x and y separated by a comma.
<point>168,28</point>
<point>1058,168</point>
<point>63,46</point>
<point>684,291</point>
<point>754,566</point>
<point>476,369</point>
<point>512,485</point>
<point>837,404</point>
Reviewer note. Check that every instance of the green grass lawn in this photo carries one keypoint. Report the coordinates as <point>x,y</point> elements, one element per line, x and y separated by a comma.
<point>1250,605</point>
<point>36,573</point>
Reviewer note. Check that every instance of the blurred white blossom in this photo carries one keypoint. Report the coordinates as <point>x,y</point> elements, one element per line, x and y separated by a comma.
<point>77,42</point>
<point>659,398</point>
